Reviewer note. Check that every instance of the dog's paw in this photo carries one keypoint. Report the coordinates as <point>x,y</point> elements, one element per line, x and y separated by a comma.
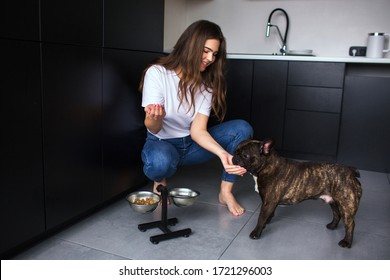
<point>254,235</point>
<point>331,226</point>
<point>345,244</point>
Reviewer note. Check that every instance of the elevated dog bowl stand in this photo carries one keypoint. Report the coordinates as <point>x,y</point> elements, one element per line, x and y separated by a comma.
<point>165,222</point>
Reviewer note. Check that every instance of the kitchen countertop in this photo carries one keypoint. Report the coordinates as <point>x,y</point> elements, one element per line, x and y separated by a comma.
<point>350,59</point>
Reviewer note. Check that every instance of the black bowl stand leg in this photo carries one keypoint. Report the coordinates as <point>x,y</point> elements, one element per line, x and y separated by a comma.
<point>163,224</point>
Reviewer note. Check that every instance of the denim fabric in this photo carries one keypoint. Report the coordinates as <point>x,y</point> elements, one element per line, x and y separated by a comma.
<point>161,157</point>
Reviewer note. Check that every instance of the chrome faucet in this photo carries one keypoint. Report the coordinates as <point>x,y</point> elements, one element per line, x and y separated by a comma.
<point>283,49</point>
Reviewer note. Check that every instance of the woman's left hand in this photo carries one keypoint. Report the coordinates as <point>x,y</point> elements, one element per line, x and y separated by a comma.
<point>231,168</point>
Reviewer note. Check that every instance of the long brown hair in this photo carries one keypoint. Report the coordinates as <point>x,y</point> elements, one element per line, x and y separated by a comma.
<point>186,57</point>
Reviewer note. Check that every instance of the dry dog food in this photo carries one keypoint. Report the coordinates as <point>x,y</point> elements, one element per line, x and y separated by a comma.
<point>145,201</point>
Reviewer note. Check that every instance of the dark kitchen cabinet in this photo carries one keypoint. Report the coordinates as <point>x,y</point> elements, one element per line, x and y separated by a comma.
<point>312,113</point>
<point>21,179</point>
<point>72,118</point>
<point>123,127</point>
<point>297,104</point>
<point>268,100</point>
<point>239,92</point>
<point>365,123</point>
<point>72,22</point>
<point>134,25</point>
<point>313,108</point>
<point>311,136</point>
<point>72,127</point>
<point>316,74</point>
<point>20,19</point>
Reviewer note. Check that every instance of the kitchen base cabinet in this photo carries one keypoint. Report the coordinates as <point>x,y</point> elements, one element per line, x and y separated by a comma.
<point>239,93</point>
<point>311,135</point>
<point>313,106</point>
<point>365,124</point>
<point>325,111</point>
<point>316,74</point>
<point>268,100</point>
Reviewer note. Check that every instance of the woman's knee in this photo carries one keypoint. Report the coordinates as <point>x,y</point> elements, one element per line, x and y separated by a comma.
<point>243,129</point>
<point>159,161</point>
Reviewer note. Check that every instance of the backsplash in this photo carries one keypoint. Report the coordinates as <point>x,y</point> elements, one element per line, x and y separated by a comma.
<point>328,27</point>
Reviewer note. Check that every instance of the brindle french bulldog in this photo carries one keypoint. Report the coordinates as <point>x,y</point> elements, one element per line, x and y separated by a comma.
<point>284,181</point>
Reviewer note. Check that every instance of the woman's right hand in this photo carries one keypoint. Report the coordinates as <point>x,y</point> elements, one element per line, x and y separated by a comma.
<point>155,111</point>
<point>154,114</point>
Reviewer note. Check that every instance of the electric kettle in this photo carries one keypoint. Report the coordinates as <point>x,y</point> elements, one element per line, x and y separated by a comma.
<point>376,44</point>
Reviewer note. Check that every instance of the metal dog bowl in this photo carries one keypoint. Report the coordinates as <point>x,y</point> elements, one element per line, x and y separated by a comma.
<point>140,201</point>
<point>183,196</point>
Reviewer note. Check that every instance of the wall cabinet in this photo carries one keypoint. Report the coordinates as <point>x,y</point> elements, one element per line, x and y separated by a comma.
<point>21,174</point>
<point>71,116</point>
<point>134,25</point>
<point>20,19</point>
<point>124,132</point>
<point>72,22</point>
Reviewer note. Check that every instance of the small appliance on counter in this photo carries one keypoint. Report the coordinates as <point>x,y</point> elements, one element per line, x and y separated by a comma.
<point>376,44</point>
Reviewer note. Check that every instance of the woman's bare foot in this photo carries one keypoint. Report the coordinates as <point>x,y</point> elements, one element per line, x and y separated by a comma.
<point>227,198</point>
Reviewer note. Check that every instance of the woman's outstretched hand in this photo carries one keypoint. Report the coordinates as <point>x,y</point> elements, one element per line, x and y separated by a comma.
<point>227,162</point>
<point>154,114</point>
<point>155,111</point>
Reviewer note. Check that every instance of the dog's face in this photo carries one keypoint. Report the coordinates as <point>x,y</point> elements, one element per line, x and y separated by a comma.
<point>251,154</point>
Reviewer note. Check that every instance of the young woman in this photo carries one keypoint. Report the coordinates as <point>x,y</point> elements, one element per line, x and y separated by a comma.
<point>178,93</point>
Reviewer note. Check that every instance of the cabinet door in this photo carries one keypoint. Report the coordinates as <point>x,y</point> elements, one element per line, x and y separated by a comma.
<point>124,130</point>
<point>72,109</point>
<point>268,100</point>
<point>320,74</point>
<point>72,22</point>
<point>134,25</point>
<point>315,99</point>
<point>311,133</point>
<point>313,107</point>
<point>20,19</point>
<point>239,92</point>
<point>365,123</point>
<point>21,174</point>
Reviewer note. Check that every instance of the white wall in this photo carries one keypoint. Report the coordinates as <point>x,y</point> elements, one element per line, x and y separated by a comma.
<point>328,27</point>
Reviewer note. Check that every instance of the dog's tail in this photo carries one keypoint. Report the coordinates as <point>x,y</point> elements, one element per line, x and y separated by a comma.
<point>355,172</point>
<point>357,185</point>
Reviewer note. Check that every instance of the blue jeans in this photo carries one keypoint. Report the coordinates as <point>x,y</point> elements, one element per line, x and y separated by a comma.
<point>161,157</point>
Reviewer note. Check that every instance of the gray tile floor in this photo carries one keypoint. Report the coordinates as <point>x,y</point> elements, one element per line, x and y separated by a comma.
<point>296,232</point>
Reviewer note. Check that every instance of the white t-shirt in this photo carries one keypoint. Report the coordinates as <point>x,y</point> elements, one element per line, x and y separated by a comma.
<point>161,87</point>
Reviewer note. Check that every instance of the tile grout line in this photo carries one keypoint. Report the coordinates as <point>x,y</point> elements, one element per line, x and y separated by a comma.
<point>230,243</point>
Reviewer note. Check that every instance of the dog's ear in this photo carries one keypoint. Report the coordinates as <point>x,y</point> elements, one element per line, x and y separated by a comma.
<point>267,146</point>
